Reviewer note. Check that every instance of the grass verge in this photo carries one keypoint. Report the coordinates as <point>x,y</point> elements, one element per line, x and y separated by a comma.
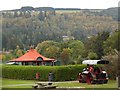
<point>10,83</point>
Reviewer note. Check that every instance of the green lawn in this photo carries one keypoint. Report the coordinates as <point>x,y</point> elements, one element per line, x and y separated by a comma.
<point>10,83</point>
<point>111,84</point>
<point>13,82</point>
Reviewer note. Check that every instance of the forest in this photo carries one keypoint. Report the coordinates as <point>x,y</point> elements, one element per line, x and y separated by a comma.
<point>25,28</point>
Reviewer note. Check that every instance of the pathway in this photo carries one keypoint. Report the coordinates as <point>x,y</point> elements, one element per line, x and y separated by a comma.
<point>41,82</point>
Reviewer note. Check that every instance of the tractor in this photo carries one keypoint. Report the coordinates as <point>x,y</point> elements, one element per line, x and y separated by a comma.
<point>93,74</point>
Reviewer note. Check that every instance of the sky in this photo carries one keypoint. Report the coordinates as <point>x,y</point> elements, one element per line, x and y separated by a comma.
<point>83,4</point>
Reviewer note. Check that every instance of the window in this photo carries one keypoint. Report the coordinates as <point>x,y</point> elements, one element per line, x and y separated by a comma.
<point>40,58</point>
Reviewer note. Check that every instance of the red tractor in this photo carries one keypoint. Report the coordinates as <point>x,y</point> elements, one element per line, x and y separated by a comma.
<point>93,74</point>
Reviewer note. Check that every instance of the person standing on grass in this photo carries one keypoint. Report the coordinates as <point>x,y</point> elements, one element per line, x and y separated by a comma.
<point>37,76</point>
<point>50,77</point>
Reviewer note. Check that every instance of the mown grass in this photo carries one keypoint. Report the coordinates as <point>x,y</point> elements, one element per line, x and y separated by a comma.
<point>14,81</point>
<point>9,83</point>
<point>111,84</point>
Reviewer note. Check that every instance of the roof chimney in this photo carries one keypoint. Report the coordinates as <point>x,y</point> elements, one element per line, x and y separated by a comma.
<point>31,47</point>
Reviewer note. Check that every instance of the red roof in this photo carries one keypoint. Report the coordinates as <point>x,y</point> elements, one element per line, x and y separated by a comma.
<point>32,55</point>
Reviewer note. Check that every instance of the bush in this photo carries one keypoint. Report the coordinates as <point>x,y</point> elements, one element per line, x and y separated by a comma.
<point>61,73</point>
<point>92,55</point>
<point>112,67</point>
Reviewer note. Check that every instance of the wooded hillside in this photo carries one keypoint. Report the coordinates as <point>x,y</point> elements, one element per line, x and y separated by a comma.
<point>30,26</point>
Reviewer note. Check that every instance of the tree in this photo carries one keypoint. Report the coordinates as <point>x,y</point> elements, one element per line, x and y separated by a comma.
<point>46,46</point>
<point>95,43</point>
<point>7,57</point>
<point>112,67</point>
<point>112,43</point>
<point>77,49</point>
<point>65,55</point>
<point>41,16</point>
<point>98,48</point>
<point>18,52</point>
<point>90,43</point>
<point>52,52</point>
<point>92,55</point>
<point>15,14</point>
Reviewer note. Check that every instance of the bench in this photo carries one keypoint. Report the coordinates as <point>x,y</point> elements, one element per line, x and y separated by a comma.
<point>50,87</point>
<point>35,86</point>
<point>44,85</point>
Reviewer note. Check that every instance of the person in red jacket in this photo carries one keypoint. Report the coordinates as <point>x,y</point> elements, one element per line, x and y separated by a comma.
<point>37,76</point>
<point>91,75</point>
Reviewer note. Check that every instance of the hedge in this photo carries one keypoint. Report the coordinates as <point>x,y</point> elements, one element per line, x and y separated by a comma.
<point>61,73</point>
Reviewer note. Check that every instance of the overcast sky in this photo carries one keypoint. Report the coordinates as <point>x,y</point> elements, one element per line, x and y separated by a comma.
<point>83,4</point>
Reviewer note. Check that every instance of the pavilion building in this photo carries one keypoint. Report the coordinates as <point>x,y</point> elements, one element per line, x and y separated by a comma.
<point>32,57</point>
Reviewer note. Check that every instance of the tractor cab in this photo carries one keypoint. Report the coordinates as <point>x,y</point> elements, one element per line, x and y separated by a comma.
<point>93,74</point>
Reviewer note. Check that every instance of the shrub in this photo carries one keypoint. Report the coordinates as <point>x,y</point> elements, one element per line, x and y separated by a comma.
<point>92,55</point>
<point>61,73</point>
